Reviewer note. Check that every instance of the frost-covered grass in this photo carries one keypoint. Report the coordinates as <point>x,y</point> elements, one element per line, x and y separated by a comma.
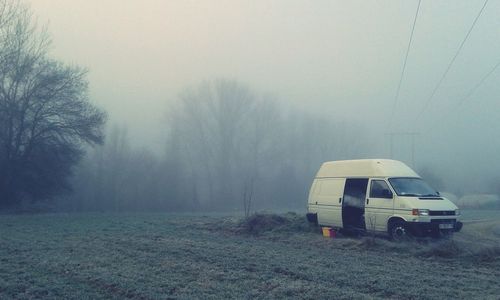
<point>481,214</point>
<point>162,256</point>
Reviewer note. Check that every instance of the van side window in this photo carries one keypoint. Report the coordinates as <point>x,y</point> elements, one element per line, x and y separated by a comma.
<point>380,189</point>
<point>330,187</point>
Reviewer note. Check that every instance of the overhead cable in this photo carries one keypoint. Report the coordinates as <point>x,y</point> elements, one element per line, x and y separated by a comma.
<point>467,96</point>
<point>404,64</point>
<point>450,64</point>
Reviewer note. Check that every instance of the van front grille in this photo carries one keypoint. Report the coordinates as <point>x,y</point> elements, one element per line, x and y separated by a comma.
<point>441,213</point>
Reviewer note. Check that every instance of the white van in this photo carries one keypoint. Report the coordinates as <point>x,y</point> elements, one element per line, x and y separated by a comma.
<point>379,195</point>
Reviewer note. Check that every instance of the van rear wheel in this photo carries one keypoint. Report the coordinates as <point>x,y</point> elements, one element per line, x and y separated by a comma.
<point>398,231</point>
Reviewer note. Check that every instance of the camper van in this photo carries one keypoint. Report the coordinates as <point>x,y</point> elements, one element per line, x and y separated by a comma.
<point>379,195</point>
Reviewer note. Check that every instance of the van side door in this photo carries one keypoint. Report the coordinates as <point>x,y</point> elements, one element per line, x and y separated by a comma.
<point>328,201</point>
<point>353,206</point>
<point>379,206</point>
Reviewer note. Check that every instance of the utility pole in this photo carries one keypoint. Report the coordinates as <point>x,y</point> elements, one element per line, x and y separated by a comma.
<point>412,135</point>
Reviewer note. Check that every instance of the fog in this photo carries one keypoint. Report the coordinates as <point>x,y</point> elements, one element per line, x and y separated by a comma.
<point>331,61</point>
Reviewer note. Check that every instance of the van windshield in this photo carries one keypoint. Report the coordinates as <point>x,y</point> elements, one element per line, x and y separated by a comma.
<point>412,187</point>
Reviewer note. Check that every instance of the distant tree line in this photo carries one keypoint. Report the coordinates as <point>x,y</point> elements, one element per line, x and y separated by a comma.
<point>228,148</point>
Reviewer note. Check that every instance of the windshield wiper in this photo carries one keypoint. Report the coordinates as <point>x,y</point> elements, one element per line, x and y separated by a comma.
<point>430,195</point>
<point>409,195</point>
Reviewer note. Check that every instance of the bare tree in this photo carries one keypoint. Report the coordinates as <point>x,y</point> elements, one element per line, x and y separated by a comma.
<point>45,114</point>
<point>208,122</point>
<point>259,151</point>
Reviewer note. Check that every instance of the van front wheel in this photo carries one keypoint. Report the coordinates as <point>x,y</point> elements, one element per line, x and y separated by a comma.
<point>398,231</point>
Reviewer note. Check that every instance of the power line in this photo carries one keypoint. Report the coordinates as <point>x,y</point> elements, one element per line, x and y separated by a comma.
<point>468,95</point>
<point>404,64</point>
<point>450,64</point>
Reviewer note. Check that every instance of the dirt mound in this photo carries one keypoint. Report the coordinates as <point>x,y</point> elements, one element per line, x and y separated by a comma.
<point>427,248</point>
<point>452,249</point>
<point>444,249</point>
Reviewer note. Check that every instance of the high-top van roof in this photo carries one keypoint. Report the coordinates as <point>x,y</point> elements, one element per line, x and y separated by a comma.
<point>365,168</point>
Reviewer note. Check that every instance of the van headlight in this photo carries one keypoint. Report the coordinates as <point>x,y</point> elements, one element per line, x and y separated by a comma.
<point>420,212</point>
<point>457,212</point>
<point>423,212</point>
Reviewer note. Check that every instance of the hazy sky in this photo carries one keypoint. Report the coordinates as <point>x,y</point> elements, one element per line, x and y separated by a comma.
<point>343,57</point>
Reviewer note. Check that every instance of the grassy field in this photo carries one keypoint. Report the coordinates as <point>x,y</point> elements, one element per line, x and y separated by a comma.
<point>160,256</point>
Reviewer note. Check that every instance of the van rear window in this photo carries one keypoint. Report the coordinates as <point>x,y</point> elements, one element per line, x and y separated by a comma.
<point>413,187</point>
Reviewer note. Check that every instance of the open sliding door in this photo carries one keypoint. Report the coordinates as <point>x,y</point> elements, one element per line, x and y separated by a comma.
<point>353,206</point>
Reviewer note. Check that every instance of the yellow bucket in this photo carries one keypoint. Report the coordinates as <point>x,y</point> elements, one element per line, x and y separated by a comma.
<point>326,231</point>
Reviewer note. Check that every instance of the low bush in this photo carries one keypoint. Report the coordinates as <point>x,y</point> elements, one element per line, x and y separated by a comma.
<point>259,223</point>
